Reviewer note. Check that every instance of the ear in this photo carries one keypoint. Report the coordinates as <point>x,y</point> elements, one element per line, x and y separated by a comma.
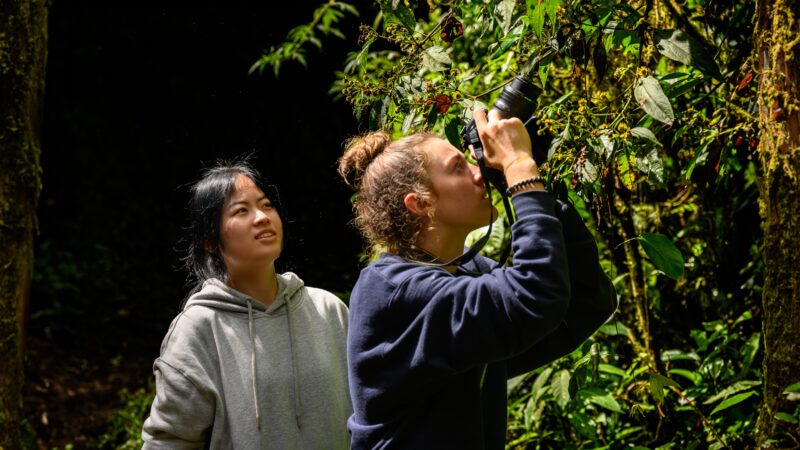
<point>207,247</point>
<point>417,204</point>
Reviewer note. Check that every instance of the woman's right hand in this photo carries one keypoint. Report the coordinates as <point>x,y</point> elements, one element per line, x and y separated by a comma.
<point>506,145</point>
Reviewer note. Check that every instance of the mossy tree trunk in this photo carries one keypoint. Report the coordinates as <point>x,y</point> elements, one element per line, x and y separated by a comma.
<point>23,52</point>
<point>778,58</point>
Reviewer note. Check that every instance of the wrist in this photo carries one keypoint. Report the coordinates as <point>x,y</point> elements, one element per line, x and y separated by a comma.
<point>520,169</point>
<point>535,183</point>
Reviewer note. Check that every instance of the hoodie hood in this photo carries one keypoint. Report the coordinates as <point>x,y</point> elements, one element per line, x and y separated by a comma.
<point>218,295</point>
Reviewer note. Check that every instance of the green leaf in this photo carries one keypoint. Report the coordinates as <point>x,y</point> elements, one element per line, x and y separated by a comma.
<point>560,387</point>
<point>650,163</point>
<point>504,11</point>
<point>651,99</point>
<point>614,329</point>
<point>362,57</point>
<point>657,382</point>
<point>514,382</point>
<point>792,388</point>
<point>435,59</point>
<point>544,69</point>
<point>679,46</point>
<point>786,417</point>
<point>646,134</point>
<point>694,377</point>
<point>612,370</point>
<point>398,12</point>
<point>663,253</point>
<point>678,355</point>
<point>739,386</point>
<point>625,165</point>
<point>558,140</point>
<point>606,401</point>
<point>587,172</point>
<point>736,399</point>
<point>536,19</point>
<point>410,119</point>
<point>505,45</point>
<point>538,389</point>
<point>452,131</point>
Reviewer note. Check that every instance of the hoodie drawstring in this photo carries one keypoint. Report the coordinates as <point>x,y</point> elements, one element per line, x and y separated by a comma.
<point>253,362</point>
<point>296,388</point>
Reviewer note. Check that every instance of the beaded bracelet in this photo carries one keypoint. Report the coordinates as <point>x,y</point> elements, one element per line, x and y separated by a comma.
<point>522,183</point>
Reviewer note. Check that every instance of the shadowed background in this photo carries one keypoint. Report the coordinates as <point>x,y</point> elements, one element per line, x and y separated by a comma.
<point>138,100</point>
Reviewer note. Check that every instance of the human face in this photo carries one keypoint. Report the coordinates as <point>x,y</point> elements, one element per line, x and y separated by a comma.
<point>460,201</point>
<point>251,232</point>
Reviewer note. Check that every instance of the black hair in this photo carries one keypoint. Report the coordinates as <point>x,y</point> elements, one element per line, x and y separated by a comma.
<point>202,258</point>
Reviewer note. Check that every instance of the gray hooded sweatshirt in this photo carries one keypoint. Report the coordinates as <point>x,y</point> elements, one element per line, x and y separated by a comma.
<point>235,374</point>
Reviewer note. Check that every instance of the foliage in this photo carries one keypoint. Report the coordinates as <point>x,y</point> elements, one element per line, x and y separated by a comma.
<point>325,20</point>
<point>125,427</point>
<point>651,109</point>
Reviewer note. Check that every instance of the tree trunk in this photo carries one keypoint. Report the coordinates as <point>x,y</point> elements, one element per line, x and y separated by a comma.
<point>778,58</point>
<point>23,52</point>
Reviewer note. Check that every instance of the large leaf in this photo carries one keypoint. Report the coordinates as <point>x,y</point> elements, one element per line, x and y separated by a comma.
<point>536,19</point>
<point>504,11</point>
<point>657,383</point>
<point>605,400</point>
<point>663,253</point>
<point>652,100</point>
<point>739,386</point>
<point>679,46</point>
<point>646,134</point>
<point>435,59</point>
<point>560,387</point>
<point>398,12</point>
<point>736,399</point>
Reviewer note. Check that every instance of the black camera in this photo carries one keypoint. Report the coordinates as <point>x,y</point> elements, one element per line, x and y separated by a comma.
<point>518,99</point>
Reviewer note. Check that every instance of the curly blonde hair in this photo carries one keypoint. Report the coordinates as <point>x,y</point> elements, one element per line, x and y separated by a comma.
<point>382,172</point>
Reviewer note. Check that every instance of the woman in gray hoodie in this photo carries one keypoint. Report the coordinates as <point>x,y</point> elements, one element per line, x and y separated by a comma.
<point>256,359</point>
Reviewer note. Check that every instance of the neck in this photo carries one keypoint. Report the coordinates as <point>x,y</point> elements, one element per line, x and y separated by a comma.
<point>262,285</point>
<point>444,246</point>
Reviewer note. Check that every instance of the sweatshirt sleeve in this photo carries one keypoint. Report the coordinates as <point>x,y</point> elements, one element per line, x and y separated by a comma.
<point>180,415</point>
<point>443,324</point>
<point>593,298</point>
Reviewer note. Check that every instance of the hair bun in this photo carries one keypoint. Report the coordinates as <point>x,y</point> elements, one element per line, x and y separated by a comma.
<point>359,152</point>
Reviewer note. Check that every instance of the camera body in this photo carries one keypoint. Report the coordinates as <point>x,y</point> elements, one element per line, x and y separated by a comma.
<point>518,99</point>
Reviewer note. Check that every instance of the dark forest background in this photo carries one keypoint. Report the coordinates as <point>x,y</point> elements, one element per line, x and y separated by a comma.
<point>139,98</point>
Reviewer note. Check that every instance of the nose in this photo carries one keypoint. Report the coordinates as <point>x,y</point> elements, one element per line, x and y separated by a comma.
<point>477,177</point>
<point>261,216</point>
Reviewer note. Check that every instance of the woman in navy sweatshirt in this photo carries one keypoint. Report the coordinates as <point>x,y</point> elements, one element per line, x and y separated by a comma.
<point>430,348</point>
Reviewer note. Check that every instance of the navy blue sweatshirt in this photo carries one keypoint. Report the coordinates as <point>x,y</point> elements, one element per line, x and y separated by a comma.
<point>421,339</point>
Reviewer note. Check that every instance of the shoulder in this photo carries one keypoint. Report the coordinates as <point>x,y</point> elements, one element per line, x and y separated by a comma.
<point>326,305</point>
<point>390,279</point>
<point>324,298</point>
<point>392,271</point>
<point>191,328</point>
<point>189,343</point>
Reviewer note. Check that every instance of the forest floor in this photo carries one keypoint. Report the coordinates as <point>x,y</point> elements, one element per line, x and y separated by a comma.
<point>69,397</point>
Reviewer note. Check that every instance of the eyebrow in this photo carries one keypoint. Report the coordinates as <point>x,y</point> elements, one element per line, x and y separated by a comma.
<point>244,202</point>
<point>449,164</point>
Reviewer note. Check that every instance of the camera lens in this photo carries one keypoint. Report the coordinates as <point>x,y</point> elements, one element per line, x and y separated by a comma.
<point>518,99</point>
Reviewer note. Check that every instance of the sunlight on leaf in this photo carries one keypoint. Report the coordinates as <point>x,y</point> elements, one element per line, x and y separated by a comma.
<point>663,253</point>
